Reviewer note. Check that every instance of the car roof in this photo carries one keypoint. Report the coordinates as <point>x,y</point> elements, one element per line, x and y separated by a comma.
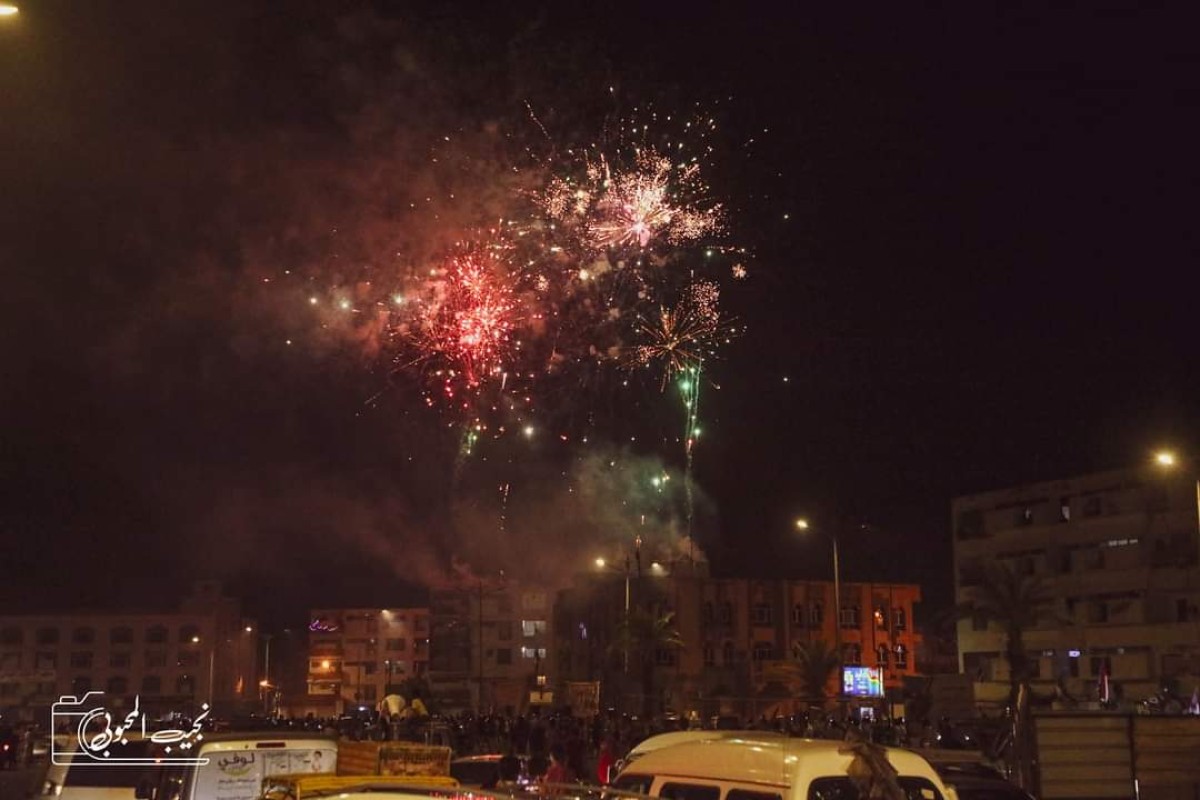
<point>773,760</point>
<point>680,737</point>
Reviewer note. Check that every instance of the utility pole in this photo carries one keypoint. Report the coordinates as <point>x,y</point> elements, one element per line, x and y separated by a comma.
<point>479,693</point>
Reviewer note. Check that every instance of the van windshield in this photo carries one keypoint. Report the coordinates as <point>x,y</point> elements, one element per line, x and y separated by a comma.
<point>844,789</point>
<point>86,772</point>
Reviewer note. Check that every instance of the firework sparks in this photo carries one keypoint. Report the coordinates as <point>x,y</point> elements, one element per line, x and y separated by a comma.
<point>656,200</point>
<point>684,335</point>
<point>469,326</point>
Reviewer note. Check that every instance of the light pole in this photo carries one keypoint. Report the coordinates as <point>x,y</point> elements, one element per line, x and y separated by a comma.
<point>802,525</point>
<point>212,653</point>
<point>602,564</point>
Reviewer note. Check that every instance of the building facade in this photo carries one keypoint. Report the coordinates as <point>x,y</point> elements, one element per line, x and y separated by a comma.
<point>205,652</point>
<point>1117,553</point>
<point>356,656</point>
<point>739,637</point>
<point>491,646</point>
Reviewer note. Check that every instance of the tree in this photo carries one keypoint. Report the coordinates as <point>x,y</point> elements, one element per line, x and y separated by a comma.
<point>641,635</point>
<point>1015,603</point>
<point>818,660</point>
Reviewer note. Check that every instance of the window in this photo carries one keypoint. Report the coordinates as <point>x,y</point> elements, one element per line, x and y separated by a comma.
<point>189,659</point>
<point>118,684</point>
<point>119,660</point>
<point>80,685</point>
<point>706,613</point>
<point>850,617</point>
<point>369,667</point>
<point>727,654</point>
<point>505,603</point>
<point>121,635</point>
<point>12,636</point>
<point>1099,663</point>
<point>156,634</point>
<point>843,789</point>
<point>852,653</point>
<point>368,693</point>
<point>760,614</point>
<point>979,622</point>
<point>504,656</point>
<point>47,636</point>
<point>83,636</point>
<point>1025,516</point>
<point>421,647</point>
<point>726,613</point>
<point>710,655</point>
<point>188,632</point>
<point>881,620</point>
<point>1181,610</point>
<point>151,684</point>
<point>533,652</point>
<point>763,651</point>
<point>8,689</point>
<point>156,658</point>
<point>881,655</point>
<point>81,659</point>
<point>1064,509</point>
<point>185,685</point>
<point>533,627</point>
<point>798,615</point>
<point>1073,664</point>
<point>664,657</point>
<point>504,631</point>
<point>816,615</point>
<point>899,619</point>
<point>639,784</point>
<point>393,645</point>
<point>1092,507</point>
<point>970,524</point>
<point>688,791</point>
<point>901,657</point>
<point>45,661</point>
<point>745,794</point>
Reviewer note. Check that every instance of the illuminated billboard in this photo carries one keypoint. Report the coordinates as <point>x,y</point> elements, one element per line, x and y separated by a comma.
<point>862,682</point>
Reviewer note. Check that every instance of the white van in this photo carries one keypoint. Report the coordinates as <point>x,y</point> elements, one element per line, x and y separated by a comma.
<point>237,764</point>
<point>767,768</point>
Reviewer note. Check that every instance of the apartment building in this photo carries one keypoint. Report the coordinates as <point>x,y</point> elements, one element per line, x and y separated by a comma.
<point>491,646</point>
<point>356,656</point>
<point>739,636</point>
<point>1117,553</point>
<point>204,652</point>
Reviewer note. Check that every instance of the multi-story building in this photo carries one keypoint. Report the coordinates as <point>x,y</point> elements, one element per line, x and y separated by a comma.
<point>1117,553</point>
<point>491,646</point>
<point>356,656</point>
<point>205,652</point>
<point>739,636</point>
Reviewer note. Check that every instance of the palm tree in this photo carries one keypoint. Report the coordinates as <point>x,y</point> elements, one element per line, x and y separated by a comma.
<point>641,635</point>
<point>1015,603</point>
<point>818,660</point>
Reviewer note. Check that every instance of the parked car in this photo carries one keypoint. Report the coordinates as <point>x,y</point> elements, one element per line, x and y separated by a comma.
<point>483,771</point>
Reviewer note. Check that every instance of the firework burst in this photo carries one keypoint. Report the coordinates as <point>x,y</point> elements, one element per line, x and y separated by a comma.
<point>465,330</point>
<point>683,335</point>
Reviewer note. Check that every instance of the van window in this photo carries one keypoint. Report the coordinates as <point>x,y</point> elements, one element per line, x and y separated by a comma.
<point>634,783</point>
<point>689,791</point>
<point>843,789</point>
<point>744,794</point>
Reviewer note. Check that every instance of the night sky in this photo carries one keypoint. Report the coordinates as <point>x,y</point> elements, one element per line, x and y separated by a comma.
<point>973,242</point>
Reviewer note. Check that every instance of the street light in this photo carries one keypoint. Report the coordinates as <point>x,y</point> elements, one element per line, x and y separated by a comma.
<point>802,525</point>
<point>604,565</point>
<point>8,10</point>
<point>1165,459</point>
